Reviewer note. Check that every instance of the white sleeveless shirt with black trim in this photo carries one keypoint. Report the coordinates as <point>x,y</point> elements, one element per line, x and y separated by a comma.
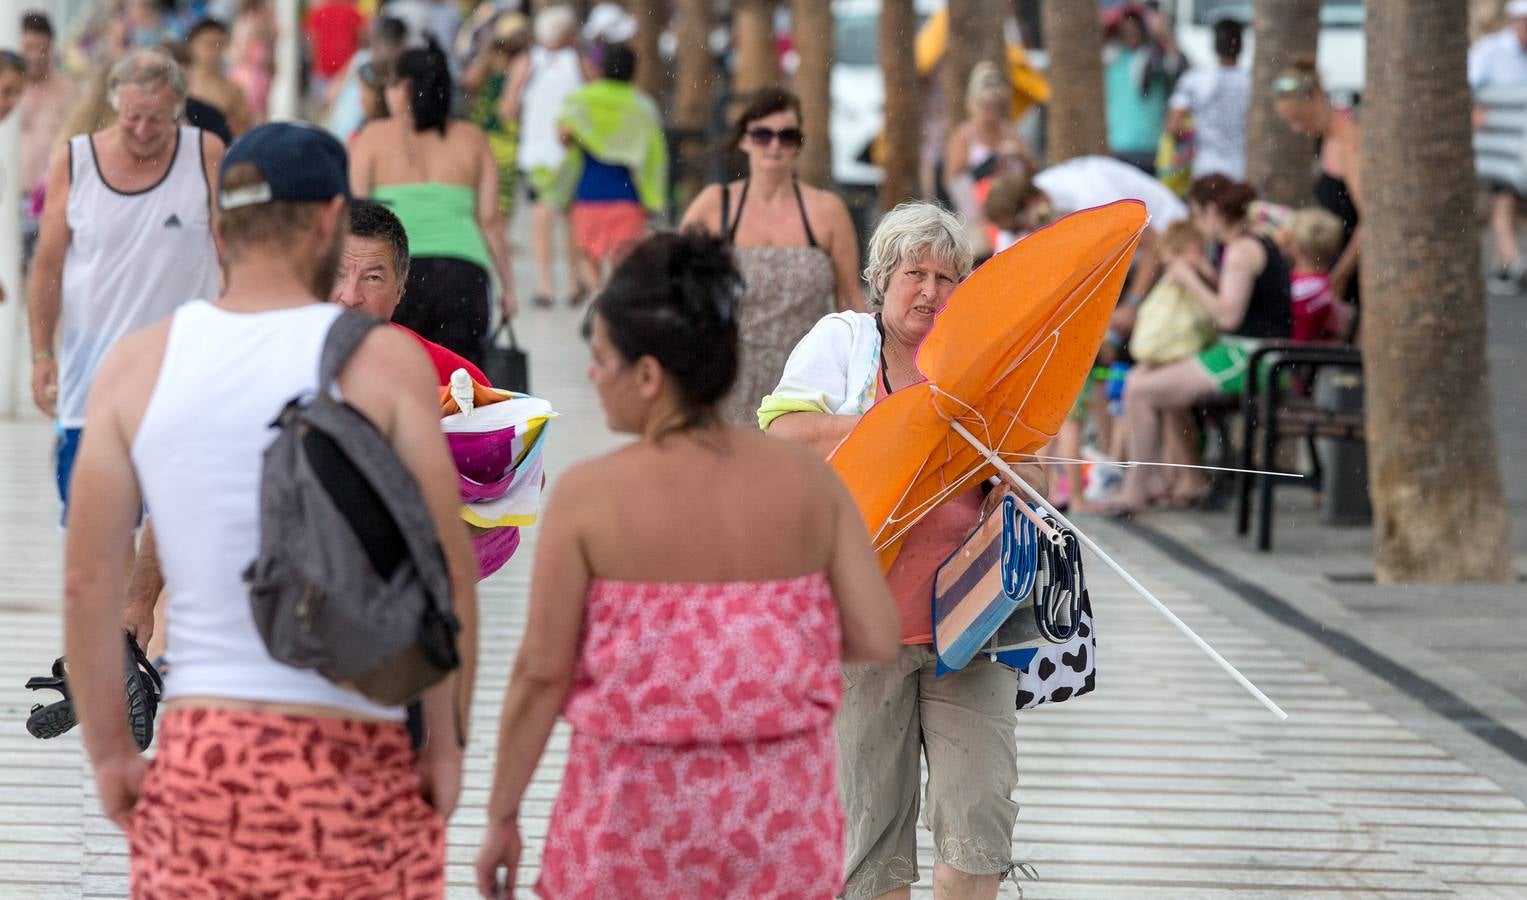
<point>132,259</point>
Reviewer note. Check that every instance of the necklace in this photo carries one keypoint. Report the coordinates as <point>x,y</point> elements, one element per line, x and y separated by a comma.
<point>893,357</point>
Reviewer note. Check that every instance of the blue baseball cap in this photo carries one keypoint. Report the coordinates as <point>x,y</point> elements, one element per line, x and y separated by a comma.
<point>300,163</point>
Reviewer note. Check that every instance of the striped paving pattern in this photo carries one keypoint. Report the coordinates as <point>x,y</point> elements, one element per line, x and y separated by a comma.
<point>1168,783</point>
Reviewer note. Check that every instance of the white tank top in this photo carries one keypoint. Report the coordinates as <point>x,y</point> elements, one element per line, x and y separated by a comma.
<point>554,74</point>
<point>224,379</point>
<point>132,259</point>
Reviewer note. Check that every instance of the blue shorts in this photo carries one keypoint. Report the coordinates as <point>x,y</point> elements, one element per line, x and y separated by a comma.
<point>63,458</point>
<point>64,453</point>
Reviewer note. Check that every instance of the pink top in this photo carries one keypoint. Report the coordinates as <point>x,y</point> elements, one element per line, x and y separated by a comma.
<point>927,545</point>
<point>923,550</point>
<point>687,663</point>
<point>1311,294</point>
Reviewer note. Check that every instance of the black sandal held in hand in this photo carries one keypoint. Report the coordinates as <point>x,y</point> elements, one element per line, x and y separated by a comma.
<point>142,687</point>
<point>53,719</point>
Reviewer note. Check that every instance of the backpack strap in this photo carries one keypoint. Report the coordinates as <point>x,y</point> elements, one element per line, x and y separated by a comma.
<point>345,335</point>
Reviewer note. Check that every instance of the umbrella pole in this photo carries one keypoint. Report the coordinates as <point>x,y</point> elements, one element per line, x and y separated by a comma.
<point>1013,477</point>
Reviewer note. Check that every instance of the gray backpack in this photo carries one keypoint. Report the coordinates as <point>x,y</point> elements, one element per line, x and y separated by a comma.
<point>350,580</point>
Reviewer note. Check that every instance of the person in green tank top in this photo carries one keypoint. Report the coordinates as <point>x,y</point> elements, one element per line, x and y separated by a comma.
<point>440,178</point>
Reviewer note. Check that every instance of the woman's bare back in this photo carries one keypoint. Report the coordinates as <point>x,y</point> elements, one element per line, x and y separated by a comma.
<point>397,154</point>
<point>726,505</point>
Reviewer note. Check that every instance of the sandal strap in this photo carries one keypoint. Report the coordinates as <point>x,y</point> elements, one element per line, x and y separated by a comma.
<point>150,675</point>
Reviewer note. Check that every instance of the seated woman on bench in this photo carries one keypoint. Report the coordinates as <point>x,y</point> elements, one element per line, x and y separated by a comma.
<point>1250,304</point>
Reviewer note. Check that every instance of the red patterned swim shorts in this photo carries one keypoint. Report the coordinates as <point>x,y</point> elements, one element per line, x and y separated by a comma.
<point>256,805</point>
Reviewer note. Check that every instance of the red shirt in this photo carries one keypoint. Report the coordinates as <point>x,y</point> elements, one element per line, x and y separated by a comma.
<point>335,31</point>
<point>446,361</point>
<point>1311,293</point>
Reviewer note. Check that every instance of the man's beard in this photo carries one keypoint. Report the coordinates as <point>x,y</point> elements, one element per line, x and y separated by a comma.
<point>326,272</point>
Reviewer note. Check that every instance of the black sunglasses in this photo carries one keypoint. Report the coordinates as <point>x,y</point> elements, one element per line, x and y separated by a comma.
<point>787,137</point>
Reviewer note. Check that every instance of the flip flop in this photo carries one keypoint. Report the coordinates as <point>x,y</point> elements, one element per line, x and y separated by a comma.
<point>142,688</point>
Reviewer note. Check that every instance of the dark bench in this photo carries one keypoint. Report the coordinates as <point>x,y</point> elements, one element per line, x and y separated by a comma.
<point>1271,412</point>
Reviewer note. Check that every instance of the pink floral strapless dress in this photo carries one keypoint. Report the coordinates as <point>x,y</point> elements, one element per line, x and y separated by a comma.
<point>702,763</point>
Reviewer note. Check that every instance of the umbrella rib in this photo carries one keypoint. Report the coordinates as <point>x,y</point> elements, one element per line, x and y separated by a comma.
<point>1076,304</point>
<point>1129,579</point>
<point>1050,343</point>
<point>1131,463</point>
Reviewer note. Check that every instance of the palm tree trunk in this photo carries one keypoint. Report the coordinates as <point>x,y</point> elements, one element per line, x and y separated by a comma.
<point>651,76</point>
<point>1075,43</point>
<point>1437,492</point>
<point>694,80</point>
<point>813,24</point>
<point>1277,159</point>
<point>903,112</point>
<point>757,56</point>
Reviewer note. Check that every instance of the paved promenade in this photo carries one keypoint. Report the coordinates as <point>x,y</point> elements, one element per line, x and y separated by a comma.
<point>1168,783</point>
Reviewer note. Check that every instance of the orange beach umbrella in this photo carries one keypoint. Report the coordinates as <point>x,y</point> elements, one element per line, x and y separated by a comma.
<point>1006,358</point>
<point>1004,363</point>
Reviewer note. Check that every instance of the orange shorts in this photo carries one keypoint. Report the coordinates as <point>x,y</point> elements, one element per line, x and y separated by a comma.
<point>240,804</point>
<point>603,228</point>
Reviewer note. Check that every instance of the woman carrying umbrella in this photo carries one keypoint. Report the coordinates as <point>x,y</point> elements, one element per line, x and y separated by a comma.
<point>895,712</point>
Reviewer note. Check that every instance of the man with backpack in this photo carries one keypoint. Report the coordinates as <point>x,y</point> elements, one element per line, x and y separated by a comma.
<point>283,767</point>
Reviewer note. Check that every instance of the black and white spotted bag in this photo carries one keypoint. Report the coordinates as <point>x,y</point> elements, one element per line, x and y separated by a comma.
<point>1059,672</point>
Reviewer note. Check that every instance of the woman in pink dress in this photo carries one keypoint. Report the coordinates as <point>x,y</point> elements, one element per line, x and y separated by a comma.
<point>251,52</point>
<point>694,595</point>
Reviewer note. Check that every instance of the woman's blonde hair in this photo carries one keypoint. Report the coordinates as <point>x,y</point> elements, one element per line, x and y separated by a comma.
<point>91,113</point>
<point>985,79</point>
<point>906,232</point>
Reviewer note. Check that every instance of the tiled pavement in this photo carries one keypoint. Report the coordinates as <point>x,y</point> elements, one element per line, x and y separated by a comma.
<point>1168,783</point>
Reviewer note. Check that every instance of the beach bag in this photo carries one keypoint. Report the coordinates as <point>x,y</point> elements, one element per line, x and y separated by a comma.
<point>496,439</point>
<point>986,596</point>
<point>1171,325</point>
<point>983,584</point>
<point>506,365</point>
<point>1060,671</point>
<point>350,580</point>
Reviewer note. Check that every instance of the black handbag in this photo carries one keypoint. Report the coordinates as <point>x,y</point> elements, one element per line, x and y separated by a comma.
<point>506,365</point>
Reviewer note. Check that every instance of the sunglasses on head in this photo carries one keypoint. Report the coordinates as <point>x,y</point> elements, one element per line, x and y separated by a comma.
<point>787,137</point>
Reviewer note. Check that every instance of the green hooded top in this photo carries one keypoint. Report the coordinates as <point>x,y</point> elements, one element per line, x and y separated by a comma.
<point>619,125</point>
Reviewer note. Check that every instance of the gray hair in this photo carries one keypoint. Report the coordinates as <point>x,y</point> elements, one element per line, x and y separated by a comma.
<point>905,233</point>
<point>554,23</point>
<point>148,69</point>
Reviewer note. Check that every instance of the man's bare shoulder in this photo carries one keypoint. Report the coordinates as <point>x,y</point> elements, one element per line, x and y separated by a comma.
<point>130,369</point>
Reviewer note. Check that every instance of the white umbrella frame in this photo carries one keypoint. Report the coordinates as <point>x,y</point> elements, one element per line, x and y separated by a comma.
<point>1017,481</point>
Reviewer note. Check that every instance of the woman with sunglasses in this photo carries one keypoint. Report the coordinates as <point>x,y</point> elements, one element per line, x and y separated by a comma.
<point>794,244</point>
